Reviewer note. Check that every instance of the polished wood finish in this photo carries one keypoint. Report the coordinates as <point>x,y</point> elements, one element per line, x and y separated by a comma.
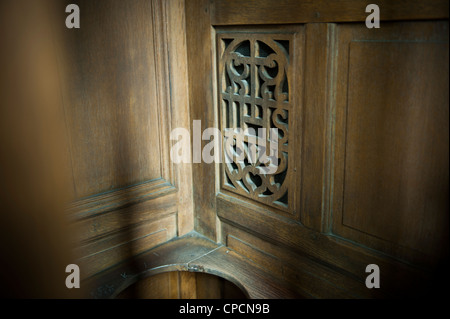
<point>201,95</point>
<point>101,253</point>
<point>236,12</point>
<point>173,285</point>
<point>192,253</point>
<point>87,117</point>
<point>161,286</point>
<point>391,182</point>
<point>179,101</point>
<point>285,264</point>
<point>124,76</point>
<point>372,121</point>
<point>261,98</point>
<point>108,96</point>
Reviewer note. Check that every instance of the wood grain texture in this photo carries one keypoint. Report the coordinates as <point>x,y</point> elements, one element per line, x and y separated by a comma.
<point>317,102</point>
<point>160,286</point>
<point>193,253</point>
<point>391,150</point>
<point>236,12</point>
<point>201,101</point>
<point>179,95</point>
<point>351,258</point>
<point>110,201</point>
<point>187,285</point>
<point>112,104</point>
<point>103,253</point>
<point>310,278</point>
<point>124,75</point>
<point>170,285</point>
<point>241,271</point>
<point>391,184</point>
<point>108,233</point>
<point>369,132</point>
<point>256,99</point>
<point>209,287</point>
<point>123,218</point>
<point>174,255</point>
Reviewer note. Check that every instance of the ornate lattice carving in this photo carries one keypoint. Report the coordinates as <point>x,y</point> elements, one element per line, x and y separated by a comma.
<point>254,78</point>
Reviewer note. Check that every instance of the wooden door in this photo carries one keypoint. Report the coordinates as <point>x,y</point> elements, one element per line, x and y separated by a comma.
<point>363,133</point>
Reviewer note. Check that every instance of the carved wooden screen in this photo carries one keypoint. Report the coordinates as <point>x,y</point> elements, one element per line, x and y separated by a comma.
<point>254,94</point>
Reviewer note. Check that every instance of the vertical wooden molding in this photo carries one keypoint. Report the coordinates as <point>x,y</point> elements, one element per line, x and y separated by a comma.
<point>179,101</point>
<point>330,114</point>
<point>160,37</point>
<point>314,124</point>
<point>171,63</point>
<point>198,30</point>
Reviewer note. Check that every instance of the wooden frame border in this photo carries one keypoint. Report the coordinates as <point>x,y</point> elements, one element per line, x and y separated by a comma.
<point>236,12</point>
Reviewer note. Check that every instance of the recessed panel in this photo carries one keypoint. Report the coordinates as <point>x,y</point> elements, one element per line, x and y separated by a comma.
<point>396,142</point>
<point>112,104</point>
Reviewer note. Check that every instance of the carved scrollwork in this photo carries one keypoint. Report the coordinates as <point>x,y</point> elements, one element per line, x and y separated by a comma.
<point>254,78</point>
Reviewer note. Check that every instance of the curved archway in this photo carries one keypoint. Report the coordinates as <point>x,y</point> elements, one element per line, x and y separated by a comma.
<point>171,283</point>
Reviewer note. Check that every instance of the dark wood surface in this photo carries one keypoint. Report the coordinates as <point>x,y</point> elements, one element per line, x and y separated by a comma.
<point>372,120</point>
<point>201,98</point>
<point>236,12</point>
<point>123,76</point>
<point>86,119</point>
<point>391,182</point>
<point>114,133</point>
<point>192,253</point>
<point>182,285</point>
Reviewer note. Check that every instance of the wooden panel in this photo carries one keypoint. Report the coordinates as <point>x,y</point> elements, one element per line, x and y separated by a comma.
<point>318,230</point>
<point>266,94</point>
<point>110,222</point>
<point>215,287</point>
<point>103,203</point>
<point>232,266</point>
<point>351,258</point>
<point>188,285</point>
<point>113,228</point>
<point>199,53</point>
<point>171,256</point>
<point>160,286</point>
<point>179,102</point>
<point>173,285</point>
<point>125,82</point>
<point>100,254</point>
<point>395,158</point>
<point>193,253</point>
<point>112,102</point>
<point>309,278</point>
<point>318,101</point>
<point>208,286</point>
<point>233,12</point>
